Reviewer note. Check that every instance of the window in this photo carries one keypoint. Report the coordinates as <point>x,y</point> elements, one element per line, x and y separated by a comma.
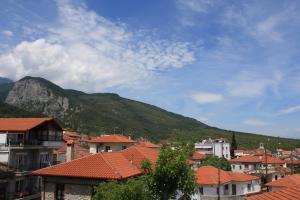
<point>124,147</point>
<point>19,186</point>
<point>59,192</point>
<point>240,167</point>
<point>246,166</point>
<point>201,190</point>
<point>226,187</point>
<point>233,189</point>
<point>218,190</point>
<point>107,148</point>
<point>276,177</point>
<point>249,187</point>
<point>44,160</point>
<point>233,166</point>
<point>21,161</point>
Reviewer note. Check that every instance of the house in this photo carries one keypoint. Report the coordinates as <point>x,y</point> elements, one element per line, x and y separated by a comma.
<point>26,144</point>
<point>110,143</point>
<point>150,145</point>
<point>218,147</point>
<point>288,181</point>
<point>77,178</point>
<point>289,193</point>
<point>212,182</point>
<point>5,176</point>
<point>197,159</point>
<point>273,167</point>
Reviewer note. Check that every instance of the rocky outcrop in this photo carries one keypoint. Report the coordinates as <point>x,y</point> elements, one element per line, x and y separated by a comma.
<point>34,95</point>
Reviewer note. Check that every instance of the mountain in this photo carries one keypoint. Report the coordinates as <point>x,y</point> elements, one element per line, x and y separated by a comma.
<point>5,80</point>
<point>107,112</point>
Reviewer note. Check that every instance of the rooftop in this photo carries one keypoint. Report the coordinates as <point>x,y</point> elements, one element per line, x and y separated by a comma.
<point>149,144</point>
<point>284,194</point>
<point>198,156</point>
<point>136,154</point>
<point>208,175</point>
<point>21,124</point>
<point>287,181</point>
<point>257,159</point>
<point>112,165</point>
<point>112,139</point>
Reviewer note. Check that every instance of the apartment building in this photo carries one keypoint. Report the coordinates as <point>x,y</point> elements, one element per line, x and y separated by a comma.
<point>26,144</point>
<point>219,147</point>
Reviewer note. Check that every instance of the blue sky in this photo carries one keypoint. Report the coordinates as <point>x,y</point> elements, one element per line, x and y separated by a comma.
<point>230,64</point>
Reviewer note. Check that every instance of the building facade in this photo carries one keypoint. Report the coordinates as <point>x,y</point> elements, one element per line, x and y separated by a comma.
<point>26,144</point>
<point>218,147</point>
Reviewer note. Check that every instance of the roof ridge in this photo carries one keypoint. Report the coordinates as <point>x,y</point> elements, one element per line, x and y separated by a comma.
<point>109,164</point>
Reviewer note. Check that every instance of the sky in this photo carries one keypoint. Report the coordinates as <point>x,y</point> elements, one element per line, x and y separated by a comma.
<point>230,64</point>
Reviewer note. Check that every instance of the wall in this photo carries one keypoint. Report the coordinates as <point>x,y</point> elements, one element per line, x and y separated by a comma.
<point>78,192</point>
<point>3,138</point>
<point>94,148</point>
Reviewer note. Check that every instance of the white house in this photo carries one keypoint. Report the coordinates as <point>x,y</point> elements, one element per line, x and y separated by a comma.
<point>213,182</point>
<point>109,143</point>
<point>218,147</point>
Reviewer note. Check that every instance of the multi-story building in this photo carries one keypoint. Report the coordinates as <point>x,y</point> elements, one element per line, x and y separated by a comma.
<point>26,144</point>
<point>218,147</point>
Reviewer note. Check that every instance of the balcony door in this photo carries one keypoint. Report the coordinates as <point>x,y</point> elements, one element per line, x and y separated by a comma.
<point>233,189</point>
<point>21,161</point>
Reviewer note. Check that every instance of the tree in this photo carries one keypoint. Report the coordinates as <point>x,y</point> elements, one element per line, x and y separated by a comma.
<point>132,189</point>
<point>172,173</point>
<point>217,162</point>
<point>146,166</point>
<point>233,145</point>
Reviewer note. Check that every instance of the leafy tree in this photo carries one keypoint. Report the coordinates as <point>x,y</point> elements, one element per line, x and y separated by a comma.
<point>217,162</point>
<point>172,173</point>
<point>146,166</point>
<point>132,189</point>
<point>233,145</point>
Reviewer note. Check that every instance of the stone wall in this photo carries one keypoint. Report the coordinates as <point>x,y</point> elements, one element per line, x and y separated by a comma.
<point>78,192</point>
<point>49,192</point>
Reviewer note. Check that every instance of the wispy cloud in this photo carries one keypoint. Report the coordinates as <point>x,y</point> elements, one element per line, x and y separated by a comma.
<point>206,97</point>
<point>86,51</point>
<point>249,84</point>
<point>255,122</point>
<point>7,33</point>
<point>290,110</point>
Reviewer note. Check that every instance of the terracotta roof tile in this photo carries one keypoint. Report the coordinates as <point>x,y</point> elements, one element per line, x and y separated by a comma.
<point>112,165</point>
<point>21,124</point>
<point>208,175</point>
<point>290,193</point>
<point>198,156</point>
<point>136,154</point>
<point>287,181</point>
<point>257,159</point>
<point>112,139</point>
<point>149,144</point>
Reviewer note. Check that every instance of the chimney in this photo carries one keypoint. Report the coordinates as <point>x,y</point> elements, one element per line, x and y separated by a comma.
<point>70,150</point>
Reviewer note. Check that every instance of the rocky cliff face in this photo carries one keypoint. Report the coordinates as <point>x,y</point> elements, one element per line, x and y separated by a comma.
<point>33,95</point>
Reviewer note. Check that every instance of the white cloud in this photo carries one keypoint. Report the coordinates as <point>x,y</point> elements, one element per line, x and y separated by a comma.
<point>89,52</point>
<point>205,97</point>
<point>7,33</point>
<point>247,84</point>
<point>290,110</point>
<point>255,122</point>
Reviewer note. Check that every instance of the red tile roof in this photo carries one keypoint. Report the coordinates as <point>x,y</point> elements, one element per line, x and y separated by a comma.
<point>257,159</point>
<point>208,175</point>
<point>112,139</point>
<point>21,124</point>
<point>290,193</point>
<point>287,181</point>
<point>112,165</point>
<point>136,154</point>
<point>198,156</point>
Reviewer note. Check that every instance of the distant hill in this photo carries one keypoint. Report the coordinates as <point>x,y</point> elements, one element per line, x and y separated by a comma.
<point>5,80</point>
<point>107,112</point>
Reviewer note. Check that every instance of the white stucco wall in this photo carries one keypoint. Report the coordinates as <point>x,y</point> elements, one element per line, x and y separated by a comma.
<point>94,148</point>
<point>3,138</point>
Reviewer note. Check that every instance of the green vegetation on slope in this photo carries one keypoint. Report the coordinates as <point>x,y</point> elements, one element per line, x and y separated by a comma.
<point>106,112</point>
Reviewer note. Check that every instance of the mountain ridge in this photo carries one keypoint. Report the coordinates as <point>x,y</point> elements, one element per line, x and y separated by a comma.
<point>97,113</point>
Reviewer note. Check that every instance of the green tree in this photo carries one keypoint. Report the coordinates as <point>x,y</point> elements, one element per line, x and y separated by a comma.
<point>217,162</point>
<point>132,189</point>
<point>146,166</point>
<point>172,173</point>
<point>233,145</point>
